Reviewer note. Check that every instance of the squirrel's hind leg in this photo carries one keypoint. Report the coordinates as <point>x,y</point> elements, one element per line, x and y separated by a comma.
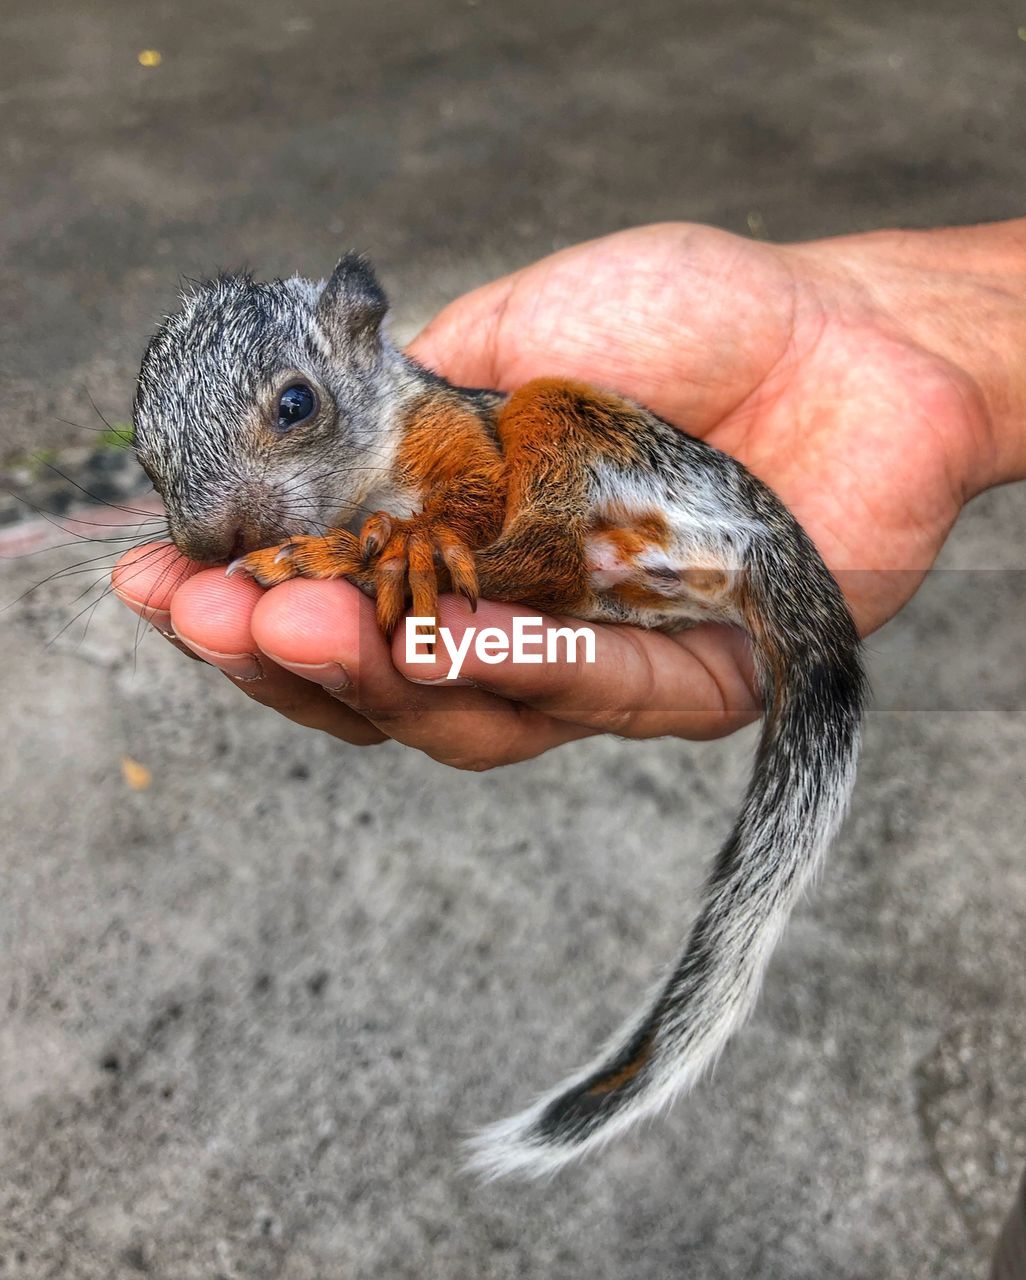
<point>641,571</point>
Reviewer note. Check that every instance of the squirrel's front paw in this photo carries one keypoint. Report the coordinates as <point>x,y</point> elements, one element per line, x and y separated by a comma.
<point>406,554</point>
<point>335,555</point>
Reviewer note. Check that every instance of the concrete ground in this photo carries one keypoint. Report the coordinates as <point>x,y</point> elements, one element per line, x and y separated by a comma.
<point>251,1008</point>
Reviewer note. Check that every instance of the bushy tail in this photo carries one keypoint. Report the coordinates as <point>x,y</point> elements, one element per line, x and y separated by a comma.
<point>810,673</point>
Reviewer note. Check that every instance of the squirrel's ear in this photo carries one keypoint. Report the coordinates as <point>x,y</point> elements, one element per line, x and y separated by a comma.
<point>352,304</point>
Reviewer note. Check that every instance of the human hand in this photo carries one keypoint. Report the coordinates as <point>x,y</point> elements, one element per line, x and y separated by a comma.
<point>848,374</point>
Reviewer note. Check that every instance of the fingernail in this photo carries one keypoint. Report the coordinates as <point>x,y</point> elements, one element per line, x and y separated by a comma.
<point>160,620</point>
<point>458,682</point>
<point>331,676</point>
<point>240,666</point>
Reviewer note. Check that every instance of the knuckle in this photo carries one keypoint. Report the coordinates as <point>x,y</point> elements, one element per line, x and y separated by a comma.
<point>472,760</point>
<point>627,712</point>
<point>619,720</point>
<point>393,719</point>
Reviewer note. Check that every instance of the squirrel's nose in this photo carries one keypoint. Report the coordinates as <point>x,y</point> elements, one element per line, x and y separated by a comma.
<point>241,544</point>
<point>231,538</point>
<point>245,535</point>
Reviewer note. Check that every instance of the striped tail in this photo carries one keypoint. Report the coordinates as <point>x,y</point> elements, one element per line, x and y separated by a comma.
<point>811,677</point>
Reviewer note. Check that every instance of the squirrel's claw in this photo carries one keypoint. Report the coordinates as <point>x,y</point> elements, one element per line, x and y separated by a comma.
<point>459,560</point>
<point>404,557</point>
<point>376,534</point>
<point>400,558</point>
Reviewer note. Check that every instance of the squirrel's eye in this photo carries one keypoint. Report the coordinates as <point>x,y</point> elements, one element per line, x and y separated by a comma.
<point>295,405</point>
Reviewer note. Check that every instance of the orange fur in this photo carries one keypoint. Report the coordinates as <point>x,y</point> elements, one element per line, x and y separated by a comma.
<point>445,456</point>
<point>707,582</point>
<point>626,1073</point>
<point>549,428</point>
<point>336,555</point>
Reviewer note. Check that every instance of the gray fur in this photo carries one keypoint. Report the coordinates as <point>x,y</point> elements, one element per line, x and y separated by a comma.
<point>206,390</point>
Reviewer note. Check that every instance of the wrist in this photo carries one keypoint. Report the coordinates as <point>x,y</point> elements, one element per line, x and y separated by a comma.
<point>958,294</point>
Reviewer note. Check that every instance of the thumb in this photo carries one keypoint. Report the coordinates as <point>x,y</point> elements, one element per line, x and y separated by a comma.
<point>462,341</point>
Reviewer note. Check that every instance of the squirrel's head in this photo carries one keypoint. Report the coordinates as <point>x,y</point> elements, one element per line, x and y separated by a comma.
<point>262,409</point>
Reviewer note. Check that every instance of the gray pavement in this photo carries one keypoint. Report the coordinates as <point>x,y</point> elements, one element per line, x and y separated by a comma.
<point>250,1010</point>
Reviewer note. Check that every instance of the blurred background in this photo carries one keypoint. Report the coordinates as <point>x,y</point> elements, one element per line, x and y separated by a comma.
<point>257,985</point>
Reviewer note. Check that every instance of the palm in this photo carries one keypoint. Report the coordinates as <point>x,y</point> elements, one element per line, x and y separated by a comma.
<point>733,341</point>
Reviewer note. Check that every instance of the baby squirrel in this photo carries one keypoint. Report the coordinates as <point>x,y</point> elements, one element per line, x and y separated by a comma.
<point>283,429</point>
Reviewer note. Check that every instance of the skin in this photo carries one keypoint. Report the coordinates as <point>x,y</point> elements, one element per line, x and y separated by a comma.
<point>872,381</point>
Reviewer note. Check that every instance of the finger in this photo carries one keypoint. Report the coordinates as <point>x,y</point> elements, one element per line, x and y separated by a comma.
<point>212,614</point>
<point>319,629</point>
<point>463,340</point>
<point>146,578</point>
<point>641,684</point>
